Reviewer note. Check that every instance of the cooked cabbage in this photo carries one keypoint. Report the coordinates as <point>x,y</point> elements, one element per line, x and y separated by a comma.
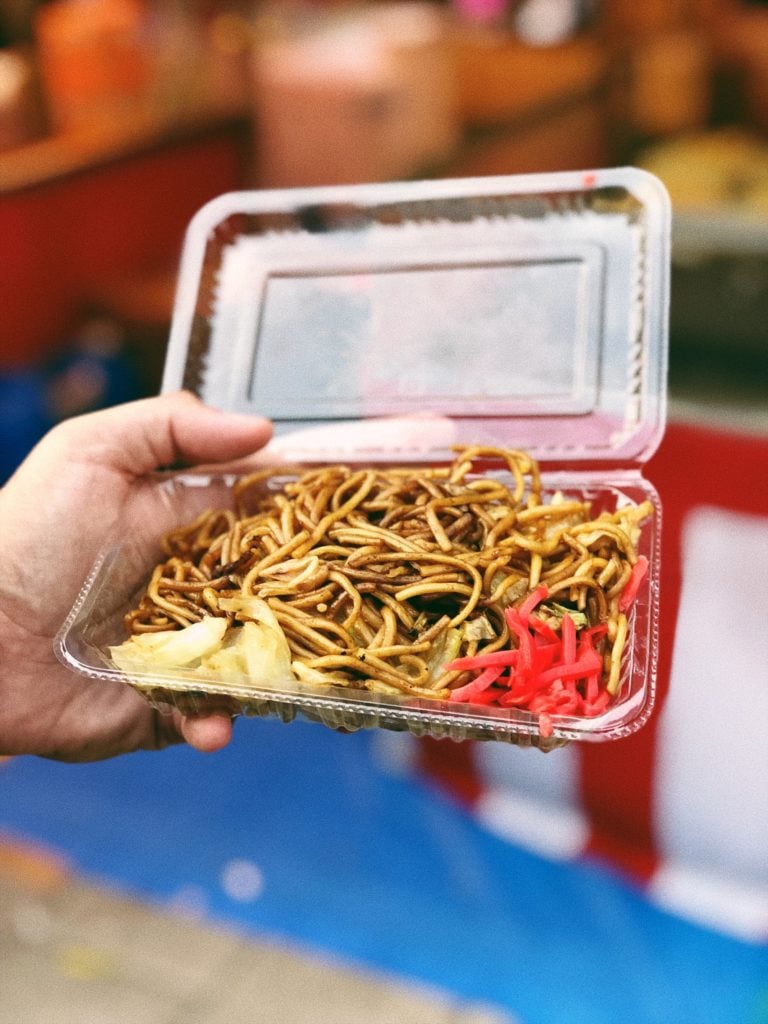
<point>253,651</point>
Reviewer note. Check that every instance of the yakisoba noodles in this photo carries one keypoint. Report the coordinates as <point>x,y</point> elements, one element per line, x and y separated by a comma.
<point>390,580</point>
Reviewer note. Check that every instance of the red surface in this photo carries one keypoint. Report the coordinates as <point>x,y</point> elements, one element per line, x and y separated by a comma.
<point>61,241</point>
<point>694,466</point>
<point>452,766</point>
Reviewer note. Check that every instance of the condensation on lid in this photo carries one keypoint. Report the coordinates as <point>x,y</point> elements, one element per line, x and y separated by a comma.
<point>375,321</point>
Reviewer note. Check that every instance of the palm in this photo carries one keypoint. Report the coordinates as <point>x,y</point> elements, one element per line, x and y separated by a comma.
<point>79,487</point>
<point>41,584</point>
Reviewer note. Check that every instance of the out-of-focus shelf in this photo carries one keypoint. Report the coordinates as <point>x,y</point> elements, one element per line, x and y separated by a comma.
<point>91,145</point>
<point>96,218</point>
<point>719,293</point>
<point>719,231</point>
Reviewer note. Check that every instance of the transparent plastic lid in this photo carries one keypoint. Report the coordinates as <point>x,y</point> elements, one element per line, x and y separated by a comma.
<point>394,321</point>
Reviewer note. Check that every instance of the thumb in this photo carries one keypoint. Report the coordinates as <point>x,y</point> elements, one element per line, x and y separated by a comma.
<point>141,436</point>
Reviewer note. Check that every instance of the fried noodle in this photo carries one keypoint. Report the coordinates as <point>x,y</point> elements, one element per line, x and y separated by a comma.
<point>379,576</point>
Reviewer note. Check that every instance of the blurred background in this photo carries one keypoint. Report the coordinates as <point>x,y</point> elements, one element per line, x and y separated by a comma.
<point>309,876</point>
<point>119,118</point>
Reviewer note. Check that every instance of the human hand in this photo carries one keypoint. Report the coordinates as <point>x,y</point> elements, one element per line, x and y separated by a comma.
<point>56,513</point>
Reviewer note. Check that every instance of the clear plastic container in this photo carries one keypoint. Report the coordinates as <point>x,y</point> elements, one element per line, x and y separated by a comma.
<point>384,324</point>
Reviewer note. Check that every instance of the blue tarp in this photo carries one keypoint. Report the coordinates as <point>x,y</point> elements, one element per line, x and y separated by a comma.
<point>356,861</point>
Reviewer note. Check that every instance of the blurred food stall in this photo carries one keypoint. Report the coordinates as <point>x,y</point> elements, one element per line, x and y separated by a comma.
<point>116,128</point>
<point>333,92</point>
<point>118,120</point>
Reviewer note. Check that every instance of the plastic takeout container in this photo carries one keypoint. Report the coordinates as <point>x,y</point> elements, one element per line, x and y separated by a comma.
<point>385,324</point>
